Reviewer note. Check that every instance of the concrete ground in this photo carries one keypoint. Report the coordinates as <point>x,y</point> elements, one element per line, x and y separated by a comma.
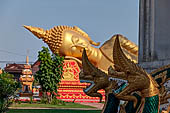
<point>99,106</point>
<point>53,108</point>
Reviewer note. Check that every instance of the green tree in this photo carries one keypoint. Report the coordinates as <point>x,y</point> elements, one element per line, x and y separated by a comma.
<point>8,86</point>
<point>50,72</point>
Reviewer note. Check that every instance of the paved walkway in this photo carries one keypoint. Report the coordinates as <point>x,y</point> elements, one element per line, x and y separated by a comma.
<point>99,106</point>
<point>53,108</point>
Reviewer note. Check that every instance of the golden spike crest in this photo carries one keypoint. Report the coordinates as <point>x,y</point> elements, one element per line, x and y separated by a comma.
<point>88,67</point>
<point>121,62</point>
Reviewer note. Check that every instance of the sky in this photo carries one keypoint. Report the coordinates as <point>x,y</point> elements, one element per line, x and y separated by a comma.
<point>100,19</point>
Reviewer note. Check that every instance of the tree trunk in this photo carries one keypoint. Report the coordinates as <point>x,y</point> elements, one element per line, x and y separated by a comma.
<point>50,97</point>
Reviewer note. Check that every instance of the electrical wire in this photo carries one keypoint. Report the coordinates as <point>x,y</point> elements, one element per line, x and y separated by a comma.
<point>13,53</point>
<point>16,62</point>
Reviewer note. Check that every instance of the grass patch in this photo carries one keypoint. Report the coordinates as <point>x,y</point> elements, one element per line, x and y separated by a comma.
<point>51,111</point>
<point>67,105</point>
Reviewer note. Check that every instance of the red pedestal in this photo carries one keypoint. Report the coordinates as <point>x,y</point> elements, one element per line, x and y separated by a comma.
<point>70,88</point>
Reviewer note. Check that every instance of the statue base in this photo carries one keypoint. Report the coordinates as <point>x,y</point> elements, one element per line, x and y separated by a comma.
<point>70,88</point>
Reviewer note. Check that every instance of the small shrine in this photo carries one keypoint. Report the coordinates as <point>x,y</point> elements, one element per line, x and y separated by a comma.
<point>26,80</point>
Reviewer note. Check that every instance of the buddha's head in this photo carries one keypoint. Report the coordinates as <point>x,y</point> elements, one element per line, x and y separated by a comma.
<point>67,41</point>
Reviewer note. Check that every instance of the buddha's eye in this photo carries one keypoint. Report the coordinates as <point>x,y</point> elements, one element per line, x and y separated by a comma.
<point>75,39</point>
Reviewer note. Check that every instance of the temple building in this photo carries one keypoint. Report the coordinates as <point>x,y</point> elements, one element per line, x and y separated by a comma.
<point>15,69</point>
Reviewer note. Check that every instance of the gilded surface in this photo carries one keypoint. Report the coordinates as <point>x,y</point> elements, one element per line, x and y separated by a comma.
<point>70,41</point>
<point>27,78</point>
<point>138,79</point>
<point>163,78</point>
<point>71,71</point>
<point>97,78</point>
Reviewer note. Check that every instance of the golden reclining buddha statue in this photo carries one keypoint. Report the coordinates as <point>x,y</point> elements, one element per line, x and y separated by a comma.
<point>70,42</point>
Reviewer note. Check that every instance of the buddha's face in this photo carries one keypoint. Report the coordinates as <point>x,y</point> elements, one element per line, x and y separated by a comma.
<point>73,44</point>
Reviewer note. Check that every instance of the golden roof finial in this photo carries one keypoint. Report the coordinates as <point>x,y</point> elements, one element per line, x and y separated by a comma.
<point>121,60</point>
<point>27,60</point>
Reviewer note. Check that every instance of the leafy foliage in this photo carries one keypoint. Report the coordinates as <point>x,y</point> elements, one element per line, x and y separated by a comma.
<point>8,86</point>
<point>56,101</point>
<point>50,71</point>
<point>43,100</point>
